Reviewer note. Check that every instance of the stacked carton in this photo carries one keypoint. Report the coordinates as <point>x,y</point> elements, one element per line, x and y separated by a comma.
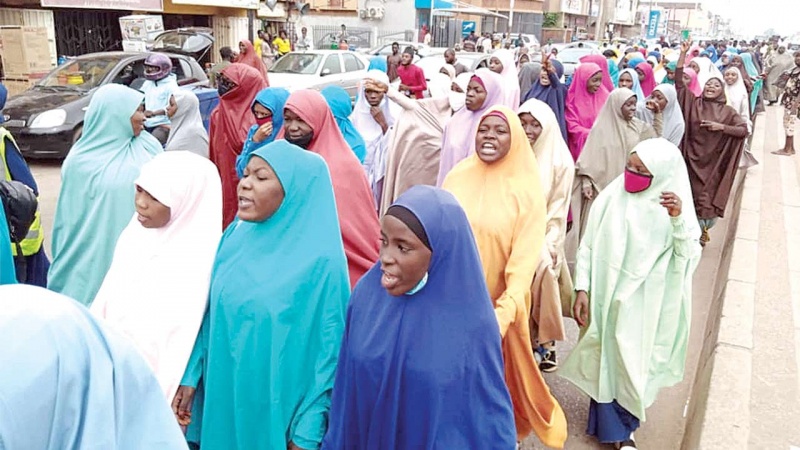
<point>25,56</point>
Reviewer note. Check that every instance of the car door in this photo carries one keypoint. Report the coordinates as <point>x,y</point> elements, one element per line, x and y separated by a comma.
<point>354,72</point>
<point>331,72</point>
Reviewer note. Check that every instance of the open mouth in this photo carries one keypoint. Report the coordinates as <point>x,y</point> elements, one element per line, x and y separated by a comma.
<point>389,281</point>
<point>488,149</point>
<point>245,202</point>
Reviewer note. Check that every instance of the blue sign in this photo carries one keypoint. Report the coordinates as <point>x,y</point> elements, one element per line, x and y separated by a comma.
<point>652,24</point>
<point>467,27</point>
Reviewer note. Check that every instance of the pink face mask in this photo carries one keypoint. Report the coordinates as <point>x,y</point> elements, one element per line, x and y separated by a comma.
<point>263,121</point>
<point>636,182</point>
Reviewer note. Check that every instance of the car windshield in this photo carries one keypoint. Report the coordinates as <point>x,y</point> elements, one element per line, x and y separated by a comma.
<point>303,63</point>
<point>80,74</point>
<point>573,55</point>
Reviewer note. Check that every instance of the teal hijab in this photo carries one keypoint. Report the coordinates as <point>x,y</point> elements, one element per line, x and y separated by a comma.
<point>97,190</point>
<point>613,69</point>
<point>672,66</point>
<point>274,99</point>
<point>8,274</point>
<point>339,101</point>
<point>270,339</point>
<point>758,83</point>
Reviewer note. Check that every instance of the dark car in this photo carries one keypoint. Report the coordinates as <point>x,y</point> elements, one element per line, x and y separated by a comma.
<point>48,118</point>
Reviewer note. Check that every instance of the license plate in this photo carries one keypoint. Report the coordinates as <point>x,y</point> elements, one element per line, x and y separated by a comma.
<point>14,123</point>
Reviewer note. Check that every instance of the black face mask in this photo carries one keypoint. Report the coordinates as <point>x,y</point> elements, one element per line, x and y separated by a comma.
<point>302,141</point>
<point>224,86</point>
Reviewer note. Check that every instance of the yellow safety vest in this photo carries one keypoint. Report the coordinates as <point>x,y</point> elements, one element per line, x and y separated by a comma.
<point>34,239</point>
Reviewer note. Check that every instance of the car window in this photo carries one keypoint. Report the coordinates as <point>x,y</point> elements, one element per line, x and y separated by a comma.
<point>187,69</point>
<point>303,63</point>
<point>128,73</point>
<point>351,63</point>
<point>80,74</point>
<point>332,64</point>
<point>177,69</point>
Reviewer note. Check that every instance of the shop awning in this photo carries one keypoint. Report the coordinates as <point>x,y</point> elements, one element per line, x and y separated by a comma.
<point>458,7</point>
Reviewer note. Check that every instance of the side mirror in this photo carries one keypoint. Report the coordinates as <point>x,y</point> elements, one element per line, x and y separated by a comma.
<point>325,72</point>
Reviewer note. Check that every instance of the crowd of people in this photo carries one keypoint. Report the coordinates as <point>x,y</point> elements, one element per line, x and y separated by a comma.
<point>393,274</point>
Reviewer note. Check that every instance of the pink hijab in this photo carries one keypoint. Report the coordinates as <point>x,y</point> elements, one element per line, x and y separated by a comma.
<point>582,107</point>
<point>649,82</point>
<point>458,140</point>
<point>602,63</point>
<point>694,85</point>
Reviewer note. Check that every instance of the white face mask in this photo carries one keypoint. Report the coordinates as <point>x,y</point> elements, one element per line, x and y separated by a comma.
<point>457,100</point>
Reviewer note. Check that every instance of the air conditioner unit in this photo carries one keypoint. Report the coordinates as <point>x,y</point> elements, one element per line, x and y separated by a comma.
<point>376,13</point>
<point>363,13</point>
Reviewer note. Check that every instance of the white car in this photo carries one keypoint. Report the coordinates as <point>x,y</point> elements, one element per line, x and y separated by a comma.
<point>317,69</point>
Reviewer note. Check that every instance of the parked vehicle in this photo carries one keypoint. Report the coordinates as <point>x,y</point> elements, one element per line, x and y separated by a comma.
<point>530,40</point>
<point>316,69</point>
<point>570,58</point>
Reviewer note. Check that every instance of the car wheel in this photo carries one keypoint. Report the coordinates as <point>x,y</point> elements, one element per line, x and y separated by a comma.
<point>77,134</point>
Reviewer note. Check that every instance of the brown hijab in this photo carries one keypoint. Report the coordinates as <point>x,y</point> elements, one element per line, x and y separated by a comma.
<point>712,157</point>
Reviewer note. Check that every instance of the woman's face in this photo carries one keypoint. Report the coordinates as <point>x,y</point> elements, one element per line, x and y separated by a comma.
<point>524,59</point>
<point>242,48</point>
<point>260,191</point>
<point>725,60</point>
<point>628,108</point>
<point>671,74</point>
<point>495,65</point>
<point>693,65</point>
<point>731,77</point>
<point>151,213</point>
<point>493,140</point>
<point>625,81</point>
<point>295,127</point>
<point>137,120</point>
<point>544,78</point>
<point>713,89</point>
<point>635,164</point>
<point>532,127</point>
<point>640,74</point>
<point>261,113</point>
<point>687,80</point>
<point>659,98</point>
<point>593,83</point>
<point>404,258</point>
<point>476,95</point>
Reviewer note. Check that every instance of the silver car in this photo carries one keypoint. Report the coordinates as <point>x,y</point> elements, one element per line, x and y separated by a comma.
<point>317,69</point>
<point>571,57</point>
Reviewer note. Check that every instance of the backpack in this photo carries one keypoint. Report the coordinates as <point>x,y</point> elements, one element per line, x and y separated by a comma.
<point>20,205</point>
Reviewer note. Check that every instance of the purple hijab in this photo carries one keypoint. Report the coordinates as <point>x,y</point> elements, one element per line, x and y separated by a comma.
<point>458,140</point>
<point>554,95</point>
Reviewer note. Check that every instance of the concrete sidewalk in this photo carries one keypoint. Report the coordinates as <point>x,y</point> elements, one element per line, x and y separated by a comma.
<point>746,393</point>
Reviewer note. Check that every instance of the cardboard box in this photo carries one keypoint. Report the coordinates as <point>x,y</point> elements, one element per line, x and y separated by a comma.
<point>141,27</point>
<point>24,50</point>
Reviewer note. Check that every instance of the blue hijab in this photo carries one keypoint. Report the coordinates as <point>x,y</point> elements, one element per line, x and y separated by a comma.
<point>554,95</point>
<point>377,63</point>
<point>637,86</point>
<point>66,382</point>
<point>3,97</point>
<point>424,371</point>
<point>711,51</point>
<point>8,274</point>
<point>274,99</point>
<point>635,61</point>
<point>97,190</point>
<point>613,69</point>
<point>339,101</point>
<point>270,338</point>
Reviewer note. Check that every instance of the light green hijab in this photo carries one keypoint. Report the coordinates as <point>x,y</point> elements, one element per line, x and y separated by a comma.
<point>636,263</point>
<point>97,191</point>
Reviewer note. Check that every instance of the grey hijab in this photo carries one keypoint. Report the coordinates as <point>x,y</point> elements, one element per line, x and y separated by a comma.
<point>187,132</point>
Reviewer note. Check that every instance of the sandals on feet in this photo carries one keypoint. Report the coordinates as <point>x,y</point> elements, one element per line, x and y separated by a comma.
<point>705,238</point>
<point>549,362</point>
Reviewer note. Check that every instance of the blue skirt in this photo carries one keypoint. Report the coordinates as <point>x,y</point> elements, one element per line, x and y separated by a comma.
<point>610,422</point>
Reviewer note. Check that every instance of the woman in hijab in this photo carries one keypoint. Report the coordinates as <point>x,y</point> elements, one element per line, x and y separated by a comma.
<point>617,131</point>
<point>248,57</point>
<point>416,140</point>
<point>551,283</point>
<point>231,122</point>
<point>629,79</point>
<point>602,63</point>
<point>68,382</point>
<point>633,59</point>
<point>738,62</point>
<point>736,94</point>
<point>666,99</point>
<point>669,77</point>
<point>156,290</point>
<point>634,281</point>
<point>377,63</point>
<point>485,90</point>
<point>585,98</point>
<point>97,188</point>
<point>187,132</point>
<point>758,83</point>
<point>691,82</point>
<point>500,189</point>
<point>309,123</point>
<point>528,75</point>
<point>646,78</point>
<point>705,70</point>
<point>8,274</point>
<point>724,61</point>
<point>267,109</point>
<point>339,102</point>
<point>549,89</point>
<point>400,367</point>
<point>267,350</point>
<point>502,63</point>
<point>442,81</point>
<point>712,146</point>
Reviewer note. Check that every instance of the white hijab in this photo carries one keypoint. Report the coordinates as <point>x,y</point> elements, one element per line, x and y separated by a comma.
<point>674,124</point>
<point>441,84</point>
<point>511,90</point>
<point>156,290</point>
<point>707,70</point>
<point>187,131</point>
<point>738,98</point>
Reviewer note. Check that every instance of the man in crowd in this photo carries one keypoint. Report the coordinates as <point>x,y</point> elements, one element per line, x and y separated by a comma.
<point>450,58</point>
<point>393,62</point>
<point>412,79</point>
<point>227,56</point>
<point>304,42</point>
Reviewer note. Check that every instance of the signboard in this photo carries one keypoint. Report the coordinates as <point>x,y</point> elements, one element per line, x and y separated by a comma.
<point>245,4</point>
<point>572,6</point>
<point>652,24</point>
<point>467,27</point>
<point>624,12</point>
<point>122,5</point>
